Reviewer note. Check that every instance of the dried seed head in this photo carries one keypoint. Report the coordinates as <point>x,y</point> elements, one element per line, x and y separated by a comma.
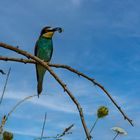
<point>7,135</point>
<point>102,112</point>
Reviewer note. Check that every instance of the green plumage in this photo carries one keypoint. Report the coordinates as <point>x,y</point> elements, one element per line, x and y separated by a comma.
<point>43,50</point>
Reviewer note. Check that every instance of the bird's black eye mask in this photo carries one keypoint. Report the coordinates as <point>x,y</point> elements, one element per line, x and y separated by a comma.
<point>44,30</point>
<point>49,29</point>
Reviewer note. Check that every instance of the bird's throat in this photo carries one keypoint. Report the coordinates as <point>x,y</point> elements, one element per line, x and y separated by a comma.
<point>48,35</point>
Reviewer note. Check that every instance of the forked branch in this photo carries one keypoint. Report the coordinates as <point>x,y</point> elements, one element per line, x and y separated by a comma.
<point>30,61</point>
<point>63,85</point>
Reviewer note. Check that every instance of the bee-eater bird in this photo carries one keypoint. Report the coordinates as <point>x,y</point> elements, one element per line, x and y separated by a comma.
<point>44,50</point>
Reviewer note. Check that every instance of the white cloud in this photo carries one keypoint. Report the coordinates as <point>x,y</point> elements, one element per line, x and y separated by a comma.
<point>55,102</point>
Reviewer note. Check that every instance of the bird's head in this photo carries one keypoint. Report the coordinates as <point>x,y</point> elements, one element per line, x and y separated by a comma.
<point>48,31</point>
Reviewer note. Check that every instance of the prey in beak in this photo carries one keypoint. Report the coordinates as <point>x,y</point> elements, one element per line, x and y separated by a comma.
<point>48,32</point>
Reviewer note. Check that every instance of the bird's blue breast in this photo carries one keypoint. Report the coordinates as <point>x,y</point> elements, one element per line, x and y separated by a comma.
<point>44,48</point>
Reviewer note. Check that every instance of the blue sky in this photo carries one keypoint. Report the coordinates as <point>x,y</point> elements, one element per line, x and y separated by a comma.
<point>100,38</point>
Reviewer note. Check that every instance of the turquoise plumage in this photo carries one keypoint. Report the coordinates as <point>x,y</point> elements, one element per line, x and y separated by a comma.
<point>44,50</point>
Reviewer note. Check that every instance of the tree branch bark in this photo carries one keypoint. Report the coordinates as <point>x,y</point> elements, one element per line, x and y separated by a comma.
<point>30,61</point>
<point>63,85</point>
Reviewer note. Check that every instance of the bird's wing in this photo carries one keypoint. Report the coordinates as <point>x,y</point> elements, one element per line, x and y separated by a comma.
<point>51,54</point>
<point>35,53</point>
<point>35,50</point>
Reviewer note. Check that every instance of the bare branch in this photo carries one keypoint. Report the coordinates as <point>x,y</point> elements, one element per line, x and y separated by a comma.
<point>2,72</point>
<point>5,86</point>
<point>63,85</point>
<point>13,109</point>
<point>76,72</point>
<point>58,136</point>
<point>66,130</point>
<point>17,60</point>
<point>5,118</point>
<point>19,103</point>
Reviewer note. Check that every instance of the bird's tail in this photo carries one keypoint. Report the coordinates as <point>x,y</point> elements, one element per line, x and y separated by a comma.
<point>40,76</point>
<point>39,88</point>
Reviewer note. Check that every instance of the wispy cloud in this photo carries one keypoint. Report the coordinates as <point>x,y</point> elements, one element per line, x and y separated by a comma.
<point>101,38</point>
<point>55,102</point>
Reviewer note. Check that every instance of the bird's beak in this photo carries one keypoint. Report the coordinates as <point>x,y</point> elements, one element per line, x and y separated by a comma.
<point>60,30</point>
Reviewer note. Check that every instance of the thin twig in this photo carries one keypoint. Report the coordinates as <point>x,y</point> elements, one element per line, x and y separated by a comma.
<point>93,126</point>
<point>58,136</point>
<point>43,126</point>
<point>5,117</point>
<point>5,86</point>
<point>2,72</point>
<point>20,102</point>
<point>66,130</point>
<point>17,60</point>
<point>116,136</point>
<point>76,72</point>
<point>63,85</point>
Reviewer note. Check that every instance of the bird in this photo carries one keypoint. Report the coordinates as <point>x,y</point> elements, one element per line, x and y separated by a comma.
<point>44,50</point>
